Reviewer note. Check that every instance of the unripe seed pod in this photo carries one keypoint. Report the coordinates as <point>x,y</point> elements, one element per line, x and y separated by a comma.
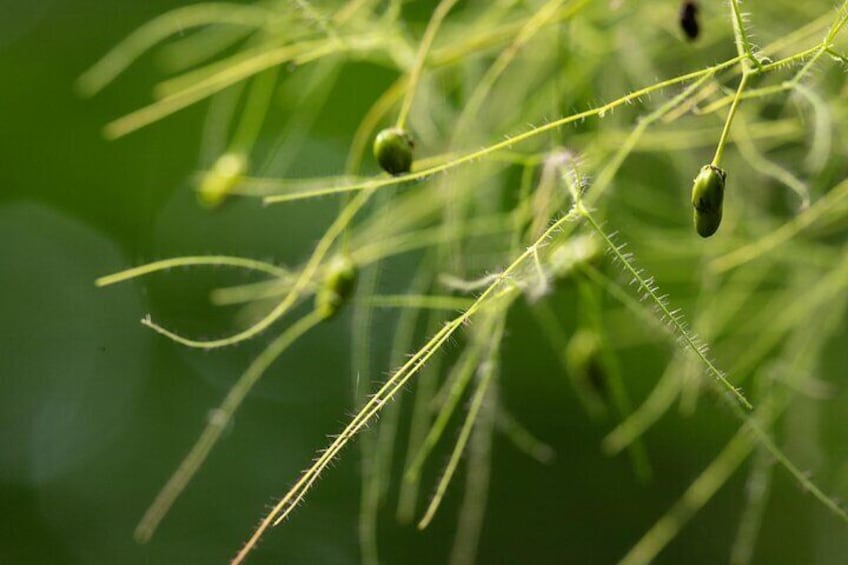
<point>393,150</point>
<point>337,287</point>
<point>707,199</point>
<point>218,182</point>
<point>689,19</point>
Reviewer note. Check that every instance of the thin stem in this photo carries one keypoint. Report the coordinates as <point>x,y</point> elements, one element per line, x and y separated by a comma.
<point>784,233</point>
<point>759,162</point>
<point>426,395</point>
<point>494,292</point>
<point>743,43</point>
<point>478,473</point>
<point>729,121</point>
<point>176,21</point>
<point>204,260</point>
<point>502,145</point>
<point>436,20</point>
<point>458,380</point>
<point>300,284</point>
<point>487,371</point>
<point>299,53</point>
<point>673,316</point>
<point>218,421</point>
<point>418,301</point>
<point>255,109</point>
<point>757,496</point>
<point>522,438</point>
<point>752,433</point>
<point>361,353</point>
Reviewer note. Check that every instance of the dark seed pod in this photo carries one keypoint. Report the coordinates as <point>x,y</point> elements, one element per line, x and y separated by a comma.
<point>393,150</point>
<point>337,287</point>
<point>707,199</point>
<point>689,19</point>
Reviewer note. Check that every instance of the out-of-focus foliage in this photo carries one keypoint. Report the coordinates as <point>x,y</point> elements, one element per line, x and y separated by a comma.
<point>582,414</point>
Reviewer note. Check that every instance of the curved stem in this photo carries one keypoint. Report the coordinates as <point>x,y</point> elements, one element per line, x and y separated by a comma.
<point>209,260</point>
<point>218,421</point>
<point>300,285</point>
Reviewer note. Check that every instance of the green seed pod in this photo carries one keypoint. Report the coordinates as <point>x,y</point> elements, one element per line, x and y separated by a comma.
<point>218,182</point>
<point>393,150</point>
<point>337,287</point>
<point>707,198</point>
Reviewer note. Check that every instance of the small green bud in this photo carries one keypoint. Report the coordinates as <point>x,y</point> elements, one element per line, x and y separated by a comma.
<point>219,181</point>
<point>393,150</point>
<point>707,199</point>
<point>337,287</point>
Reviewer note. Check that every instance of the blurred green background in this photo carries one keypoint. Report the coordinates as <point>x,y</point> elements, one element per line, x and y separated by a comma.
<point>95,410</point>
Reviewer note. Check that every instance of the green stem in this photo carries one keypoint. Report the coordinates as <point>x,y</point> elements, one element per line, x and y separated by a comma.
<point>218,422</point>
<point>255,109</point>
<point>743,43</point>
<point>729,121</point>
<point>436,20</point>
